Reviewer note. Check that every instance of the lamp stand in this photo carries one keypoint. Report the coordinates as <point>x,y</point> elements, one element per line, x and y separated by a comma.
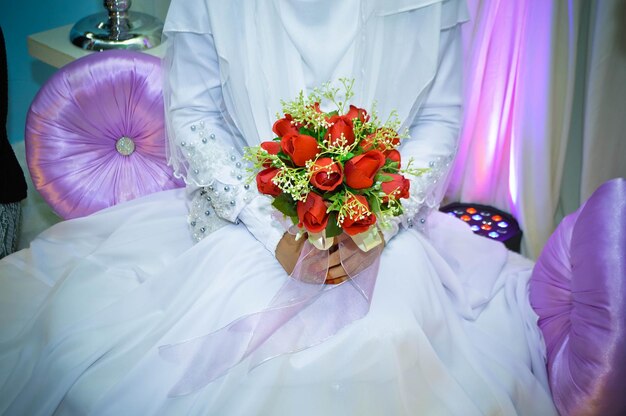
<point>118,28</point>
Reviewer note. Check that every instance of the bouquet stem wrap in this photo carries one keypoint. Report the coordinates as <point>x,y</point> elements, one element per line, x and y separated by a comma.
<point>303,313</point>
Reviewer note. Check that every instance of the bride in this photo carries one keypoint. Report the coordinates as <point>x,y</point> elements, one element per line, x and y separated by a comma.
<point>123,311</point>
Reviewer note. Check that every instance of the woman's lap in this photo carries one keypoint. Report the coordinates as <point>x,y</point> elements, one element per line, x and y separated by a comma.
<point>130,282</point>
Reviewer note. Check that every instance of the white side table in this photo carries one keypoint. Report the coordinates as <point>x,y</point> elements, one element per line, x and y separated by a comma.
<point>54,47</point>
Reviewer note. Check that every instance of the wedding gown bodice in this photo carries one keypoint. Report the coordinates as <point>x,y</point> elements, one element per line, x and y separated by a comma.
<point>248,59</point>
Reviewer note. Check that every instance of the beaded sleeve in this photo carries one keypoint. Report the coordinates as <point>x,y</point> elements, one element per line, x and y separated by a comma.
<point>202,144</point>
<point>224,196</point>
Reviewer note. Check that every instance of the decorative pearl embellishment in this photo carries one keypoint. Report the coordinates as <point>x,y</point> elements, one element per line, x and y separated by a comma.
<point>423,197</point>
<point>125,146</point>
<point>221,174</point>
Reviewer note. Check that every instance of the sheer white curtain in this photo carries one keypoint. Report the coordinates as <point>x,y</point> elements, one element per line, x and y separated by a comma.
<point>545,80</point>
<point>604,129</point>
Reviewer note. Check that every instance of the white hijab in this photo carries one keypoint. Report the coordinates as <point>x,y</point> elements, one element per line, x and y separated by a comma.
<point>270,50</point>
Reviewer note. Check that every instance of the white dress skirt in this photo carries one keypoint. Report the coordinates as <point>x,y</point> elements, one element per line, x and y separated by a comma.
<point>84,310</point>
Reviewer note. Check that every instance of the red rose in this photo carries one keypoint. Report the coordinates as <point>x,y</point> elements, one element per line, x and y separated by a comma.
<point>317,108</point>
<point>265,184</point>
<point>360,170</point>
<point>394,156</point>
<point>367,143</point>
<point>272,148</point>
<point>326,174</point>
<point>398,187</point>
<point>356,225</point>
<point>285,126</point>
<point>359,113</point>
<point>340,126</point>
<point>389,137</point>
<point>312,213</point>
<point>300,148</point>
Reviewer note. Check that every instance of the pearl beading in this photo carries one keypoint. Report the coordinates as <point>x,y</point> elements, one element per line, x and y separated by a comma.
<point>220,174</point>
<point>424,196</point>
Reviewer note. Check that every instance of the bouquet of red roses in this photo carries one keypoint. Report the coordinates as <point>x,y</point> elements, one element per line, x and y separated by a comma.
<point>333,172</point>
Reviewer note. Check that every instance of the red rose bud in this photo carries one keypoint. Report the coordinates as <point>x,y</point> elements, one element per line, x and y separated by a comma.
<point>300,148</point>
<point>317,108</point>
<point>358,113</point>
<point>265,184</point>
<point>390,138</point>
<point>312,213</point>
<point>340,126</point>
<point>285,126</point>
<point>272,148</point>
<point>356,225</point>
<point>394,156</point>
<point>326,174</point>
<point>360,170</point>
<point>367,143</point>
<point>398,187</point>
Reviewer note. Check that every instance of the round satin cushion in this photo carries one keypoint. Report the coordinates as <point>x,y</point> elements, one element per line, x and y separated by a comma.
<point>578,289</point>
<point>95,133</point>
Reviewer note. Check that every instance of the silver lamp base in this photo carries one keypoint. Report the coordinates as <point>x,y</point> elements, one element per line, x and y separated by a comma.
<point>100,31</point>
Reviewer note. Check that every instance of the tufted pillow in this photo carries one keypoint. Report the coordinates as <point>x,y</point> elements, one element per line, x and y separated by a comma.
<point>95,133</point>
<point>578,289</point>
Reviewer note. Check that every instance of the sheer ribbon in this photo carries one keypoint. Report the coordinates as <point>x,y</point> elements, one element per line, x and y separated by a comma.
<point>303,313</point>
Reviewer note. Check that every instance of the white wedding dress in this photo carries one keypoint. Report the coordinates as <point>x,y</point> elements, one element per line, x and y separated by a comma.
<point>85,309</point>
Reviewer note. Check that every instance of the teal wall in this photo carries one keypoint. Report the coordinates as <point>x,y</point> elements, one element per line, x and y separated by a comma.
<point>26,74</point>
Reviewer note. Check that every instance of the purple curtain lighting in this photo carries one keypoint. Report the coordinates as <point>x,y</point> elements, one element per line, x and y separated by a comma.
<point>508,69</point>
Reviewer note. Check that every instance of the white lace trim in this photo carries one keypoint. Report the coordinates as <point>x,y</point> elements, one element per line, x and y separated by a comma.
<point>425,193</point>
<point>223,174</point>
<point>202,218</point>
<point>208,159</point>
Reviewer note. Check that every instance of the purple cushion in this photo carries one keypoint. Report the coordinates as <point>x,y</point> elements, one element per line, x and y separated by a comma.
<point>76,121</point>
<point>578,289</point>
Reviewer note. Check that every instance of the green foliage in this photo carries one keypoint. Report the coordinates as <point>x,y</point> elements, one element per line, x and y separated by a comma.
<point>381,177</point>
<point>390,166</point>
<point>285,204</point>
<point>374,201</point>
<point>308,132</point>
<point>337,200</point>
<point>333,228</point>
